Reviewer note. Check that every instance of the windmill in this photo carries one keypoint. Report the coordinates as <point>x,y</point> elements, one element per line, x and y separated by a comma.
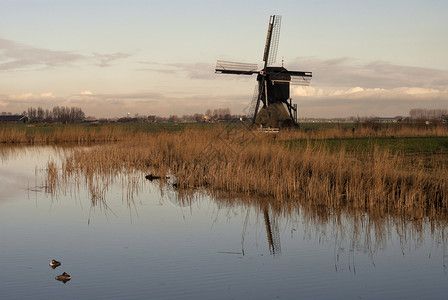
<point>271,105</point>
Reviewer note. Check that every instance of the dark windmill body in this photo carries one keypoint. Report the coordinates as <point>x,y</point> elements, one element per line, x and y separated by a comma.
<point>271,105</point>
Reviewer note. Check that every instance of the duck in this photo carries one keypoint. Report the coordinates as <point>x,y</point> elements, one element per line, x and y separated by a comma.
<point>64,277</point>
<point>54,264</point>
<point>151,177</point>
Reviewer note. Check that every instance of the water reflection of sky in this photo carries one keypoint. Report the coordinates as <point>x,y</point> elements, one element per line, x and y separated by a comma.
<point>152,247</point>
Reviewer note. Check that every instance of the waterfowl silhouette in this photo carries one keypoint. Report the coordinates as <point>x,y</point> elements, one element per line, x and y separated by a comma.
<point>64,277</point>
<point>54,264</point>
<point>151,177</point>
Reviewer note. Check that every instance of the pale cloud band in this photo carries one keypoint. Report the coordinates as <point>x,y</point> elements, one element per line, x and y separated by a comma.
<point>371,93</point>
<point>118,105</point>
<point>312,102</point>
<point>17,56</point>
<point>349,73</point>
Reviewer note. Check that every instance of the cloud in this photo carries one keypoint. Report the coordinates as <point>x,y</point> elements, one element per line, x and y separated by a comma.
<point>314,102</point>
<point>196,70</point>
<point>105,60</point>
<point>348,72</point>
<point>19,102</point>
<point>104,105</point>
<point>342,87</point>
<point>305,91</point>
<point>17,56</point>
<point>110,105</point>
<point>401,93</point>
<point>344,107</point>
<point>166,71</point>
<point>193,70</point>
<point>29,97</point>
<point>89,95</point>
<point>151,103</point>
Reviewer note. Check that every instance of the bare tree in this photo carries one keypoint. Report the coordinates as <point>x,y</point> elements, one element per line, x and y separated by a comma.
<point>199,117</point>
<point>422,114</point>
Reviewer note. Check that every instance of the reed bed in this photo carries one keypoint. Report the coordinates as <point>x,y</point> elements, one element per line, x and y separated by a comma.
<point>92,133</point>
<point>78,133</point>
<point>251,164</point>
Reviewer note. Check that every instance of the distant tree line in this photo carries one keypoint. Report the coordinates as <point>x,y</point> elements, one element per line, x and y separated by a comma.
<point>219,113</point>
<point>57,114</point>
<point>423,114</point>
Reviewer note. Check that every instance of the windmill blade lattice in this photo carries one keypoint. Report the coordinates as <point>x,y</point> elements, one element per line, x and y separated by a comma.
<point>300,80</point>
<point>253,102</point>
<point>231,67</point>
<point>273,47</point>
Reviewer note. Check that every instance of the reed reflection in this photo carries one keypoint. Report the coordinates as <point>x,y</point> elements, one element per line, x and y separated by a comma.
<point>349,228</point>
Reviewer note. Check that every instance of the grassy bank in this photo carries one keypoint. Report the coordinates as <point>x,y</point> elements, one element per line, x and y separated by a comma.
<point>408,145</point>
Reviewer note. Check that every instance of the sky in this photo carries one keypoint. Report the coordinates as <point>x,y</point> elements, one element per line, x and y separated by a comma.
<point>114,57</point>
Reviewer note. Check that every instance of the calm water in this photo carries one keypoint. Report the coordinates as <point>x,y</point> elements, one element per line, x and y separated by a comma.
<point>148,244</point>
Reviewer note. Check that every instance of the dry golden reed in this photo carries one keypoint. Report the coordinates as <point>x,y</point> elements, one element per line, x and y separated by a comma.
<point>85,133</point>
<point>251,164</point>
<point>75,133</point>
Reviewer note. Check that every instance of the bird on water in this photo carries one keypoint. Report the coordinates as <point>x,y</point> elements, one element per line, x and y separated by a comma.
<point>64,277</point>
<point>54,264</point>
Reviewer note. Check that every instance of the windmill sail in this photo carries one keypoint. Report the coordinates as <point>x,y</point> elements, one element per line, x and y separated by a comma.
<point>268,40</point>
<point>272,38</point>
<point>301,79</point>
<point>253,102</point>
<point>229,67</point>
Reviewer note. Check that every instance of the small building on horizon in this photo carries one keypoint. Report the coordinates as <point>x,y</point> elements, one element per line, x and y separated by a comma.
<point>90,119</point>
<point>13,119</point>
<point>389,120</point>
